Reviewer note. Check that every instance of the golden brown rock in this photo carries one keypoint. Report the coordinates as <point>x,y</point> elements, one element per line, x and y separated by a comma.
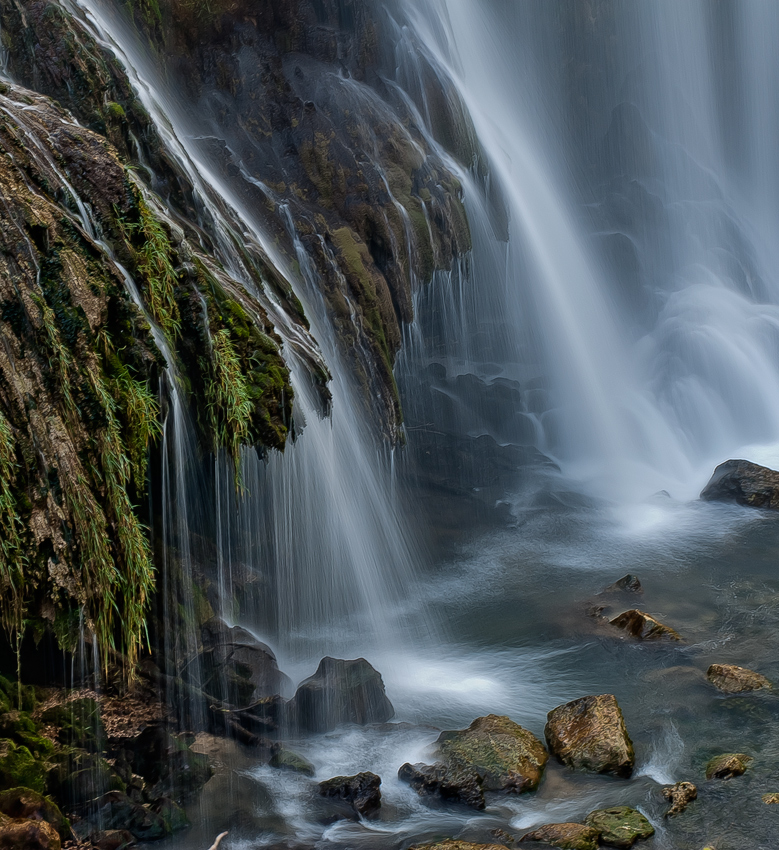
<point>728,765</point>
<point>590,734</point>
<point>771,799</point>
<point>736,680</point>
<point>643,626</point>
<point>568,836</point>
<point>680,796</point>
<point>451,844</point>
<point>19,834</point>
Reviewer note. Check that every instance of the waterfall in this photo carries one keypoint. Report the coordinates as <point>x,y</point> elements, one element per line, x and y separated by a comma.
<point>636,275</point>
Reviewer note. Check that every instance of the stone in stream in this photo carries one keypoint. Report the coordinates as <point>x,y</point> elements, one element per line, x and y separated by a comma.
<point>567,836</point>
<point>361,792</point>
<point>451,785</point>
<point>590,734</point>
<point>283,758</point>
<point>679,796</point>
<point>627,584</point>
<point>452,844</point>
<point>744,483</point>
<point>643,626</point>
<point>771,799</point>
<point>736,680</point>
<point>619,826</point>
<point>728,765</point>
<point>20,834</point>
<point>340,692</point>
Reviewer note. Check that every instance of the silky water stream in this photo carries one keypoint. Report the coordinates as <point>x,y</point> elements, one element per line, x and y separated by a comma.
<point>621,296</point>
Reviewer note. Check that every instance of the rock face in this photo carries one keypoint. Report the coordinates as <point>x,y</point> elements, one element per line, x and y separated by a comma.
<point>736,680</point>
<point>744,483</point>
<point>680,796</point>
<point>18,834</point>
<point>361,792</point>
<point>590,734</point>
<point>438,780</point>
<point>619,826</point>
<point>235,667</point>
<point>506,756</point>
<point>340,692</point>
<point>728,765</point>
<point>568,836</point>
<point>644,627</point>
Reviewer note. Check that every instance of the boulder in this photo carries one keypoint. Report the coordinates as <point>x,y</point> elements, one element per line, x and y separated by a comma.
<point>451,844</point>
<point>19,767</point>
<point>76,776</point>
<point>736,680</point>
<point>771,799</point>
<point>503,753</point>
<point>20,834</point>
<point>116,811</point>
<point>627,584</point>
<point>361,792</point>
<point>743,483</point>
<point>642,626</point>
<point>679,796</point>
<point>728,765</point>
<point>340,692</point>
<point>77,723</point>
<point>590,734</point>
<point>112,839</point>
<point>19,727</point>
<point>173,816</point>
<point>451,785</point>
<point>619,826</point>
<point>286,759</point>
<point>568,836</point>
<point>235,667</point>
<point>30,805</point>
<point>167,764</point>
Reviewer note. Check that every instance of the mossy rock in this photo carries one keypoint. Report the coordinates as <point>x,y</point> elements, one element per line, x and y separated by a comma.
<point>10,691</point>
<point>284,759</point>
<point>619,826</point>
<point>18,767</point>
<point>567,836</point>
<point>19,727</point>
<point>728,765</point>
<point>173,816</point>
<point>78,724</point>
<point>28,804</point>
<point>508,757</point>
<point>78,776</point>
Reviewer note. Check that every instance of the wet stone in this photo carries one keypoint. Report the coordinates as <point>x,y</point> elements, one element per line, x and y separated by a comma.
<point>736,680</point>
<point>643,626</point>
<point>619,826</point>
<point>771,799</point>
<point>743,483</point>
<point>361,792</point>
<point>728,765</point>
<point>627,584</point>
<point>590,734</point>
<point>286,759</point>
<point>679,796</point>
<point>567,836</point>
<point>451,844</point>
<point>447,784</point>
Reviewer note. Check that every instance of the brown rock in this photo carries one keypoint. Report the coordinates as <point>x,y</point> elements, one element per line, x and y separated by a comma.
<point>644,627</point>
<point>19,834</point>
<point>728,765</point>
<point>451,844</point>
<point>771,799</point>
<point>568,836</point>
<point>744,483</point>
<point>438,780</point>
<point>590,734</point>
<point>680,796</point>
<point>735,680</point>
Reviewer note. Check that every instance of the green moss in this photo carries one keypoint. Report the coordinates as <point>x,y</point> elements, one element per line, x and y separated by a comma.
<point>78,724</point>
<point>18,767</point>
<point>116,111</point>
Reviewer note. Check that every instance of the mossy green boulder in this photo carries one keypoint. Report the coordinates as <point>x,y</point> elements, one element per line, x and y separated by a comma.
<point>619,826</point>
<point>728,765</point>
<point>285,759</point>
<point>506,756</point>
<point>19,767</point>
<point>19,727</point>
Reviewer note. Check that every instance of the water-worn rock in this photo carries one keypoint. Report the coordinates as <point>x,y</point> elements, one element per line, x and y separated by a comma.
<point>452,844</point>
<point>362,792</point>
<point>628,583</point>
<point>112,839</point>
<point>29,805</point>
<point>643,626</point>
<point>20,834</point>
<point>679,796</point>
<point>728,765</point>
<point>619,826</point>
<point>771,799</point>
<point>735,680</point>
<point>438,780</point>
<point>340,692</point>
<point>286,759</point>
<point>568,836</point>
<point>744,483</point>
<point>506,756</point>
<point>590,734</point>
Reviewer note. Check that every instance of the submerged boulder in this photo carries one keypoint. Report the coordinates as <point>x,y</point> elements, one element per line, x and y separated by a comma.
<point>744,483</point>
<point>728,765</point>
<point>361,792</point>
<point>568,836</point>
<point>21,834</point>
<point>283,758</point>
<point>679,796</point>
<point>340,692</point>
<point>736,680</point>
<point>590,734</point>
<point>506,756</point>
<point>644,627</point>
<point>619,826</point>
<point>448,784</point>
<point>627,584</point>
